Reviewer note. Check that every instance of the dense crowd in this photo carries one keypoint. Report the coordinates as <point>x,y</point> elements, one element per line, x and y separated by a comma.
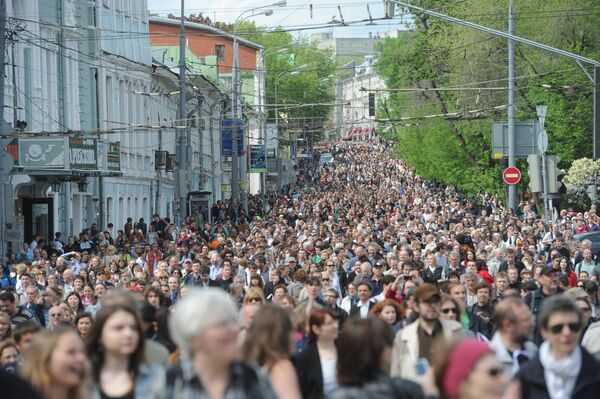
<point>368,282</point>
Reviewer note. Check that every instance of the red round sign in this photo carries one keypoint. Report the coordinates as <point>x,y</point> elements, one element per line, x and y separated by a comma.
<point>511,175</point>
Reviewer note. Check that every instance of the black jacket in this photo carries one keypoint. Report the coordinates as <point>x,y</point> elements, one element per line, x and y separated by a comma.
<point>533,383</point>
<point>381,387</point>
<point>432,277</point>
<point>534,301</point>
<point>310,375</point>
<point>355,310</point>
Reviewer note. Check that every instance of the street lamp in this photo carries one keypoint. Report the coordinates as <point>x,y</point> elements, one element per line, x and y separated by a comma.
<point>262,72</point>
<point>235,106</point>
<point>542,140</point>
<point>293,72</point>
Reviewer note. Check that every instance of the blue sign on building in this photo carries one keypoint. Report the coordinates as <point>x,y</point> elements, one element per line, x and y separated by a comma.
<point>227,127</point>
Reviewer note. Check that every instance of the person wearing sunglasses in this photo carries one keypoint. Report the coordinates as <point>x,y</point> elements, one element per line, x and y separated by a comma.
<point>415,342</point>
<point>562,368</point>
<point>449,308</point>
<point>469,370</point>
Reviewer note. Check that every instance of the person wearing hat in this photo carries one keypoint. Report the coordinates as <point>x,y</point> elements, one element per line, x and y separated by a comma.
<point>469,370</point>
<point>416,341</point>
<point>548,286</point>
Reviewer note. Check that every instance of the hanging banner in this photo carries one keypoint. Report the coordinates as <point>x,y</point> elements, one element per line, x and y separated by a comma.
<point>258,158</point>
<point>227,126</point>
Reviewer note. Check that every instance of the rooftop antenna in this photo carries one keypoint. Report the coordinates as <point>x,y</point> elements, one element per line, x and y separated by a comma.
<point>370,17</point>
<point>341,16</point>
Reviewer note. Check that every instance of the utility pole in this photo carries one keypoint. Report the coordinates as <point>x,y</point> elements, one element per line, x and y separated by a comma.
<point>181,128</point>
<point>512,188</point>
<point>6,161</point>
<point>235,184</point>
<point>200,100</point>
<point>596,117</point>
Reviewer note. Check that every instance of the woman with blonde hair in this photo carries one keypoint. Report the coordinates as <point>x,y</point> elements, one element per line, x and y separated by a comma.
<point>269,343</point>
<point>5,327</point>
<point>56,365</point>
<point>255,295</point>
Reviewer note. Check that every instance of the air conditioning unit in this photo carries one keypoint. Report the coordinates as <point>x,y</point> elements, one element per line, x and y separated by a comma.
<point>171,162</point>
<point>160,159</point>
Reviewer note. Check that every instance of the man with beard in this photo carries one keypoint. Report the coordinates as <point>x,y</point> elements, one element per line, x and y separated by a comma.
<point>416,340</point>
<point>512,341</point>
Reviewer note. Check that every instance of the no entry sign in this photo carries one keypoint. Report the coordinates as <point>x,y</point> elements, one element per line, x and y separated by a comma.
<point>511,175</point>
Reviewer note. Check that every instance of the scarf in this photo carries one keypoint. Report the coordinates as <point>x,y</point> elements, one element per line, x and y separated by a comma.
<point>561,375</point>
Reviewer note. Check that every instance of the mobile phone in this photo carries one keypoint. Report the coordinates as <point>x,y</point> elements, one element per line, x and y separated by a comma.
<point>421,366</point>
<point>407,277</point>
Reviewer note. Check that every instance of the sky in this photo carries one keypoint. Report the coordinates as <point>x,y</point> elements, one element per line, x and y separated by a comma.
<point>296,14</point>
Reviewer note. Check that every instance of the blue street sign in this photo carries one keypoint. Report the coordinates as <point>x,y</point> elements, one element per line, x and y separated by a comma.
<point>227,126</point>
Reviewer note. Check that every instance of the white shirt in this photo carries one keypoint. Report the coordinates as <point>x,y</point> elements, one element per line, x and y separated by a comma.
<point>328,369</point>
<point>364,309</point>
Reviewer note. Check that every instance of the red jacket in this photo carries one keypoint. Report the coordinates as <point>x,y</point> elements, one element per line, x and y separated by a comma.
<point>487,277</point>
<point>392,293</point>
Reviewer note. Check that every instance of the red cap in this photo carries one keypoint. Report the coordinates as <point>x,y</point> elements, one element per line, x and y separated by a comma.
<point>462,361</point>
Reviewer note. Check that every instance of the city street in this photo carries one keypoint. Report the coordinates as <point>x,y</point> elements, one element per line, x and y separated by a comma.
<point>283,199</point>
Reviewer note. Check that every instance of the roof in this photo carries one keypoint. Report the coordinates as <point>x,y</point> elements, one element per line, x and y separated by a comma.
<point>208,28</point>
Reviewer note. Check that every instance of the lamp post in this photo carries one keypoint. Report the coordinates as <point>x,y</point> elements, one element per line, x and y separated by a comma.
<point>236,110</point>
<point>295,71</point>
<point>543,147</point>
<point>262,134</point>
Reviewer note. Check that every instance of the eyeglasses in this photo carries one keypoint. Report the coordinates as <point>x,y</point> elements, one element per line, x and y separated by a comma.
<point>449,310</point>
<point>325,279</point>
<point>558,328</point>
<point>254,300</point>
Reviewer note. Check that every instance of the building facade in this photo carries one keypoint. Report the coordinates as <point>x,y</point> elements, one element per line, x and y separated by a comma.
<point>356,102</point>
<point>347,46</point>
<point>92,108</point>
<point>212,49</point>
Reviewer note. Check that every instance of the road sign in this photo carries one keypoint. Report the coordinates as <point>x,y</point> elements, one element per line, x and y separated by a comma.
<point>511,175</point>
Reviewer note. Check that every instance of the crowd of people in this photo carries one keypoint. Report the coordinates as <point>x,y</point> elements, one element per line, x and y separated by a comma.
<point>370,282</point>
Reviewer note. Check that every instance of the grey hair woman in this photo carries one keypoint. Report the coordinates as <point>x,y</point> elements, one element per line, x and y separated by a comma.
<point>205,326</point>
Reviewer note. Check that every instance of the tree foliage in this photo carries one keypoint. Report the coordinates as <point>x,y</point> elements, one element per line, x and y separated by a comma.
<point>441,54</point>
<point>304,100</point>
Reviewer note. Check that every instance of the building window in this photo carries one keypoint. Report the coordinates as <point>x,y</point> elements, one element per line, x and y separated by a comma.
<point>220,52</point>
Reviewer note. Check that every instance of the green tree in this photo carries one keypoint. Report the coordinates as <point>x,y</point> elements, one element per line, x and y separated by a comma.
<point>304,100</point>
<point>441,54</point>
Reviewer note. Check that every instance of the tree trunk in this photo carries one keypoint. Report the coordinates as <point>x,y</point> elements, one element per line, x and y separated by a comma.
<point>459,137</point>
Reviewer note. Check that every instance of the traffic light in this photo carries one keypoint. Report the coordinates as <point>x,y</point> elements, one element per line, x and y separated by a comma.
<point>535,173</point>
<point>555,175</point>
